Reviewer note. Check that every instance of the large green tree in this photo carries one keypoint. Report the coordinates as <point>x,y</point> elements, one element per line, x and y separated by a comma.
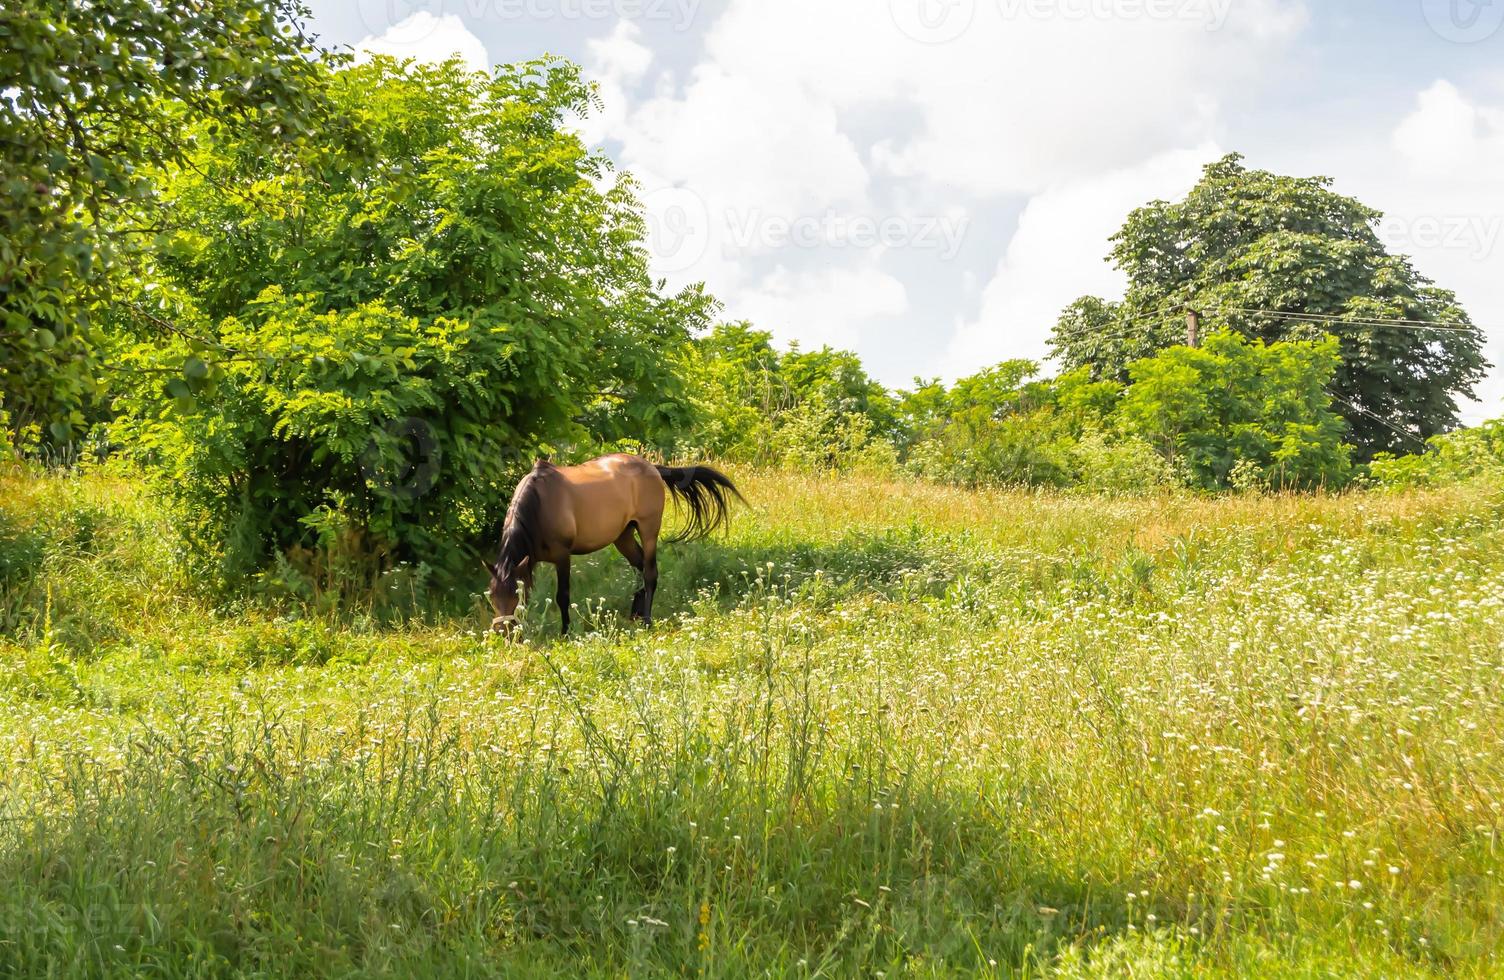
<point>1250,240</point>
<point>95,94</point>
<point>379,331</point>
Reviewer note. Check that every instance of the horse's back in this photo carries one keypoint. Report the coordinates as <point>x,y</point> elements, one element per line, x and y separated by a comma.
<point>617,466</point>
<point>608,494</point>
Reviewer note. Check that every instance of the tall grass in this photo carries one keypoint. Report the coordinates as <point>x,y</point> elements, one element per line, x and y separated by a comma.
<point>883,728</point>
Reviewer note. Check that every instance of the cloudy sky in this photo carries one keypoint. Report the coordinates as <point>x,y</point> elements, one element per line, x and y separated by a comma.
<point>928,182</point>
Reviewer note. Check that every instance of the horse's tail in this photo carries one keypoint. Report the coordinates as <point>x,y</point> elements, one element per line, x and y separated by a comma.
<point>707,492</point>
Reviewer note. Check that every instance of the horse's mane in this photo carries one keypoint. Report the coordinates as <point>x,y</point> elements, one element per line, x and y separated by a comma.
<point>519,536</point>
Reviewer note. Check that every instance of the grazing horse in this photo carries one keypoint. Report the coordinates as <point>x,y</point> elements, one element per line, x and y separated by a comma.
<point>561,511</point>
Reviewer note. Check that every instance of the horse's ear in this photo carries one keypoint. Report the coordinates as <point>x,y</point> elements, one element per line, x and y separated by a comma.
<point>488,567</point>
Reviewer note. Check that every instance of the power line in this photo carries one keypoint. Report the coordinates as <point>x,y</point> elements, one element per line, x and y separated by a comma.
<point>1405,433</point>
<point>1162,318</point>
<point>1326,318</point>
<point>1345,319</point>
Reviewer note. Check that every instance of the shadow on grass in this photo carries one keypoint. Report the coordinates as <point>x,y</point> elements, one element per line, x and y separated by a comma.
<point>899,564</point>
<point>240,844</point>
<point>60,591</point>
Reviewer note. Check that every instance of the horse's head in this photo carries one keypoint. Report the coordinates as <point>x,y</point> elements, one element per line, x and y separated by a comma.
<point>505,593</point>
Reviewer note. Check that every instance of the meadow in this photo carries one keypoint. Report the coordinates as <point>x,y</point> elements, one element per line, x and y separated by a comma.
<point>882,728</point>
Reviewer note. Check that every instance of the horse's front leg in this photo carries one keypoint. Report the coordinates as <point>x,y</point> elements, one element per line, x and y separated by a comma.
<point>562,596</point>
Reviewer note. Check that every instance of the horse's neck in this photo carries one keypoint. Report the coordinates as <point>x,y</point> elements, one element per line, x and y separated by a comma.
<point>517,543</point>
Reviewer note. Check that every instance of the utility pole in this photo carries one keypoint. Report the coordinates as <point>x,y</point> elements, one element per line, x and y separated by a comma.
<point>1192,328</point>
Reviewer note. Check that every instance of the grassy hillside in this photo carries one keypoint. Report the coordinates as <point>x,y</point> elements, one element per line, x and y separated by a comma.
<point>882,728</point>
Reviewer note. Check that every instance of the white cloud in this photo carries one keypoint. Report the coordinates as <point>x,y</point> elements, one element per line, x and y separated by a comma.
<point>828,306</point>
<point>1030,93</point>
<point>1449,136</point>
<point>615,63</point>
<point>1445,209</point>
<point>427,37</point>
<point>621,55</point>
<point>754,143</point>
<point>737,155</point>
<point>799,109</point>
<point>1057,256</point>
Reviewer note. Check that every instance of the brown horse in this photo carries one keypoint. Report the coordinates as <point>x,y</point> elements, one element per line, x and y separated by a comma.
<point>561,511</point>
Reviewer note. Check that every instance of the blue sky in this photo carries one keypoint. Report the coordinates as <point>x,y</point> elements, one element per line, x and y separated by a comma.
<point>928,182</point>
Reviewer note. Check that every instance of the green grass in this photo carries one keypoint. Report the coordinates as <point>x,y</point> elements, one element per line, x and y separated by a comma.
<point>881,728</point>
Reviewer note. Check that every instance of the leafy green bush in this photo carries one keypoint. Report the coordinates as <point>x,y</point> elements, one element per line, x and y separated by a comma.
<point>17,440</point>
<point>815,437</point>
<point>1104,463</point>
<point>51,376</point>
<point>802,409</point>
<point>1030,449</point>
<point>1000,428</point>
<point>400,319</point>
<point>1454,458</point>
<point>1208,409</point>
<point>366,417</point>
<point>1230,415</point>
<point>738,391</point>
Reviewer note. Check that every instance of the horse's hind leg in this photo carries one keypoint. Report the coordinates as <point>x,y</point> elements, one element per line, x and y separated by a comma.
<point>562,595</point>
<point>648,528</point>
<point>632,552</point>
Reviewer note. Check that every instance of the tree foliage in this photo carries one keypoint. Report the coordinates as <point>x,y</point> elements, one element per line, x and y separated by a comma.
<point>995,427</point>
<point>93,96</point>
<point>1004,426</point>
<point>837,380</point>
<point>1235,413</point>
<point>809,409</point>
<point>1252,240</point>
<point>436,289</point>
